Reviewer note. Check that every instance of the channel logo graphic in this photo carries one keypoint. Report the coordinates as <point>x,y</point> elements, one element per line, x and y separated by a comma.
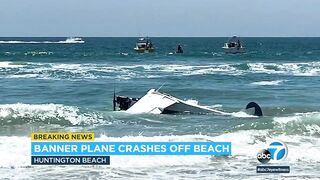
<point>276,151</point>
<point>264,156</point>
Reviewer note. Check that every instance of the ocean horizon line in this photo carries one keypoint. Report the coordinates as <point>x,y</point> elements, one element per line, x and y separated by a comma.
<point>160,36</point>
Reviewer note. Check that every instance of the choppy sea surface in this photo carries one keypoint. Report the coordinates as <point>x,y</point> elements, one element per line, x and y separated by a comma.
<point>50,85</point>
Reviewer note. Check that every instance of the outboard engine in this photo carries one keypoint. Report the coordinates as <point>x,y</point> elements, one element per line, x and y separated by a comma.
<point>125,102</point>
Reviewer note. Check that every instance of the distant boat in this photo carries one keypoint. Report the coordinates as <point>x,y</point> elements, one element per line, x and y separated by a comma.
<point>74,40</point>
<point>234,45</point>
<point>144,45</point>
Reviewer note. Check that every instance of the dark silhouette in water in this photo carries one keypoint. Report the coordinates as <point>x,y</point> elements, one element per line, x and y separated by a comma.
<point>239,44</point>
<point>179,49</point>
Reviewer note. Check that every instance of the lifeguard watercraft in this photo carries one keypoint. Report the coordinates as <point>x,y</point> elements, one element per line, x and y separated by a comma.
<point>233,46</point>
<point>144,45</point>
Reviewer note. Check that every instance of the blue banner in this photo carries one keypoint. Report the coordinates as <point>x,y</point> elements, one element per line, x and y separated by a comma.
<point>129,148</point>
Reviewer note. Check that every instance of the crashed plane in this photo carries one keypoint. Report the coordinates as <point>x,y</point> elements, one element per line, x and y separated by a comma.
<point>156,102</point>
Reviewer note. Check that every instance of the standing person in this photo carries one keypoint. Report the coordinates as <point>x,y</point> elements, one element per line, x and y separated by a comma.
<point>179,49</point>
<point>239,44</point>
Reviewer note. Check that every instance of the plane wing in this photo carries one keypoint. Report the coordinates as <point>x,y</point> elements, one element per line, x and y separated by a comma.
<point>153,102</point>
<point>160,103</point>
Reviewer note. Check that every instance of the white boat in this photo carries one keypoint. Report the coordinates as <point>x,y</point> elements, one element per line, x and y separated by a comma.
<point>155,102</point>
<point>74,40</point>
<point>144,45</point>
<point>234,45</point>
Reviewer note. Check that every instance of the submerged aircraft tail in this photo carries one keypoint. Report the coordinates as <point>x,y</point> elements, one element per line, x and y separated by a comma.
<point>253,108</point>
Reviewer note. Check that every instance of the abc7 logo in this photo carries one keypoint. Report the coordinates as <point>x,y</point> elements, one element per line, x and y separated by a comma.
<point>276,151</point>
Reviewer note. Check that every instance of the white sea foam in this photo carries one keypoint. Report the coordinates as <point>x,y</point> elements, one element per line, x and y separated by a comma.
<point>75,67</point>
<point>295,69</point>
<point>10,65</point>
<point>215,106</point>
<point>17,42</point>
<point>35,53</point>
<point>192,102</point>
<point>23,76</point>
<point>268,83</point>
<point>242,114</point>
<point>95,71</point>
<point>313,116</point>
<point>300,123</point>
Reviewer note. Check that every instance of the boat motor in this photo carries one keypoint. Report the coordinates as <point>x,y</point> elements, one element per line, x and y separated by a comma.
<point>124,102</point>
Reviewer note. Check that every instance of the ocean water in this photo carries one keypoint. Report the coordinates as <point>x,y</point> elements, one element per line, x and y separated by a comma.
<point>50,85</point>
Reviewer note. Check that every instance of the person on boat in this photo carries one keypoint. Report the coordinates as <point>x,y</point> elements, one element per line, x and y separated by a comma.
<point>179,49</point>
<point>238,44</point>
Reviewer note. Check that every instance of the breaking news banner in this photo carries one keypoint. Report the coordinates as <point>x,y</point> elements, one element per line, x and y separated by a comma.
<point>60,149</point>
<point>62,136</point>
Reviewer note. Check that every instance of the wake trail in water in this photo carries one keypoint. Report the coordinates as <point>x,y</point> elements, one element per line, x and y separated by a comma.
<point>41,42</point>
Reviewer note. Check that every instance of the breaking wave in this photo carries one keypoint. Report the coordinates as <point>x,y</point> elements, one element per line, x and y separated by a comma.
<point>96,71</point>
<point>306,124</point>
<point>300,123</point>
<point>93,71</point>
<point>12,114</point>
<point>8,65</point>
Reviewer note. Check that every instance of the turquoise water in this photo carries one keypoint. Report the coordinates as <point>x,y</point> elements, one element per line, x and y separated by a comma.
<point>47,85</point>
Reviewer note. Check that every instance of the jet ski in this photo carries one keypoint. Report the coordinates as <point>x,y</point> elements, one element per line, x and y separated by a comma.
<point>156,102</point>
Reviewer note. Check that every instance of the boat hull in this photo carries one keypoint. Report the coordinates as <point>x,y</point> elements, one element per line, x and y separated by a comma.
<point>233,50</point>
<point>142,50</point>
